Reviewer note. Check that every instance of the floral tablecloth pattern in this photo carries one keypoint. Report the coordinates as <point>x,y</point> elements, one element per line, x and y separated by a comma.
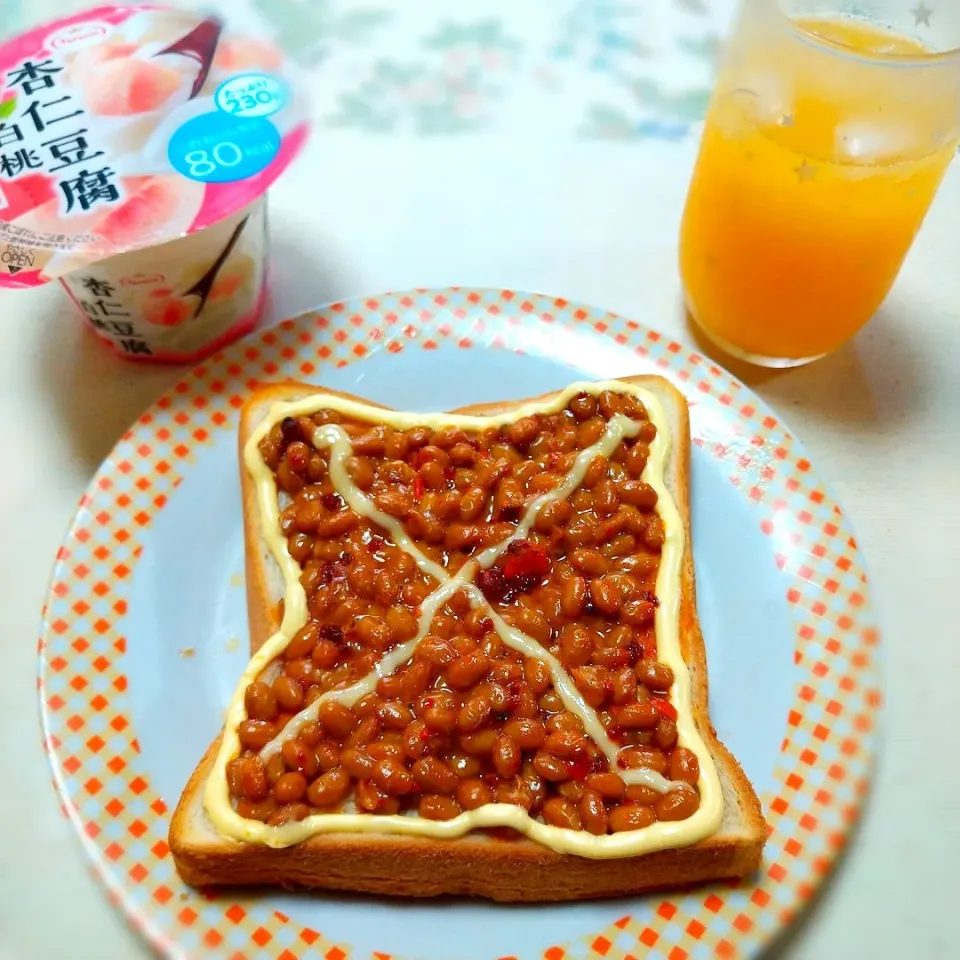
<point>585,69</point>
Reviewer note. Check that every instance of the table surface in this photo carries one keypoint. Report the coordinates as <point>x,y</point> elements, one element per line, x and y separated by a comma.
<point>589,213</point>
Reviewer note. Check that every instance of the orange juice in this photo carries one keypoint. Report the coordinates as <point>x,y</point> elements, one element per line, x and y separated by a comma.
<point>807,193</point>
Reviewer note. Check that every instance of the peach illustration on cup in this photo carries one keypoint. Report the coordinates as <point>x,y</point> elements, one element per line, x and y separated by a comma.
<point>163,309</point>
<point>88,58</point>
<point>149,205</point>
<point>164,258</point>
<point>28,193</point>
<point>242,53</point>
<point>226,285</point>
<point>124,86</point>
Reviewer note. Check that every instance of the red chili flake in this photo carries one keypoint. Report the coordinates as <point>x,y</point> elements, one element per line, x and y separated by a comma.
<point>376,544</point>
<point>345,558</point>
<point>418,489</point>
<point>634,650</point>
<point>485,625</point>
<point>650,597</point>
<point>579,765</point>
<point>331,632</point>
<point>416,459</point>
<point>491,583</point>
<point>616,733</point>
<point>332,501</point>
<point>552,460</point>
<point>290,430</point>
<point>484,454</point>
<point>526,560</point>
<point>424,735</point>
<point>621,763</point>
<point>599,763</point>
<point>664,707</point>
<point>524,584</point>
<point>427,704</point>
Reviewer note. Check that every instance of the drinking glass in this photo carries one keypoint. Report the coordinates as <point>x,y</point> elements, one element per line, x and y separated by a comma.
<point>829,131</point>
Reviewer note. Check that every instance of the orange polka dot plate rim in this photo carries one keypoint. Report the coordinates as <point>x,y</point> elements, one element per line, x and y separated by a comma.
<point>144,634</point>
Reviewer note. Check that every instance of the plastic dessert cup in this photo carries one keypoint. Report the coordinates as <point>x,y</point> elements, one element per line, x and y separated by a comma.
<point>136,147</point>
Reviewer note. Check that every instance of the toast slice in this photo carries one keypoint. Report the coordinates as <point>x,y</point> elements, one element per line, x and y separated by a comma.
<point>489,861</point>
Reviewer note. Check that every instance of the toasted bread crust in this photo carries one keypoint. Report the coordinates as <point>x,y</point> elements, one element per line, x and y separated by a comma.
<point>478,864</point>
<point>509,871</point>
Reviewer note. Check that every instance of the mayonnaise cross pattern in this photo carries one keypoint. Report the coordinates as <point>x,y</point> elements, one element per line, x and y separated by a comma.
<point>661,835</point>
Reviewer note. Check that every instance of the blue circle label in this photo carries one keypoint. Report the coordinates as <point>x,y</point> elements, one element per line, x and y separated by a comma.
<point>251,95</point>
<point>220,148</point>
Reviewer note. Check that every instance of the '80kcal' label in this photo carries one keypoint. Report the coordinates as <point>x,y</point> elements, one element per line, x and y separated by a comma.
<point>235,141</point>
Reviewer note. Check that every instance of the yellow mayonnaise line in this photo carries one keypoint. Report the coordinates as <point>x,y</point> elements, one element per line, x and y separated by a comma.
<point>658,836</point>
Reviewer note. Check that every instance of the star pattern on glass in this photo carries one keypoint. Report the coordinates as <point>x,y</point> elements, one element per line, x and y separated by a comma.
<point>786,120</point>
<point>805,172</point>
<point>921,15</point>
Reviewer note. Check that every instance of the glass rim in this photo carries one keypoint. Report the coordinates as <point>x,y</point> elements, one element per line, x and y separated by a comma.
<point>932,58</point>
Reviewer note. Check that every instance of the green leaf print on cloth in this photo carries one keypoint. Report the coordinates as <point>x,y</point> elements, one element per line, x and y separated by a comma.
<point>354,27</point>
<point>487,34</point>
<point>450,89</point>
<point>304,28</point>
<point>629,69</point>
<point>706,47</point>
<point>644,69</point>
<point>689,105</point>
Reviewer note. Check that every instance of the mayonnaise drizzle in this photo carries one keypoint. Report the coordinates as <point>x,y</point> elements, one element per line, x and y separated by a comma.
<point>656,837</point>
